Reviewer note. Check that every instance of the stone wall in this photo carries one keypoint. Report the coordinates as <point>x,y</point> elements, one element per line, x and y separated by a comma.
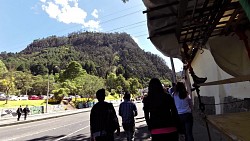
<point>234,105</point>
<point>209,109</point>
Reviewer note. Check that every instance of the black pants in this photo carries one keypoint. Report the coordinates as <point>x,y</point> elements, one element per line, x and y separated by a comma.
<point>187,125</point>
<point>25,116</point>
<point>105,138</point>
<point>165,137</point>
<point>129,129</point>
<point>18,116</point>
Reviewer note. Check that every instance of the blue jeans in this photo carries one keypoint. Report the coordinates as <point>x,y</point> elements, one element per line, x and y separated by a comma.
<point>187,125</point>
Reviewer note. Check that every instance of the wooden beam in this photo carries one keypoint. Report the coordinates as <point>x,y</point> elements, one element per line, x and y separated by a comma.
<point>173,25</point>
<point>162,16</point>
<point>169,31</point>
<point>161,7</point>
<point>232,18</point>
<point>227,81</point>
<point>214,20</point>
<point>181,13</point>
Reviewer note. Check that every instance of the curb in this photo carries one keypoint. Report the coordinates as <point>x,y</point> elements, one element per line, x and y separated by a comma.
<point>44,118</point>
<point>49,117</point>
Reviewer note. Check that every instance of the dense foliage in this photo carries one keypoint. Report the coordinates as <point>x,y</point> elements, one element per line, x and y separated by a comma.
<point>98,53</point>
<point>80,64</point>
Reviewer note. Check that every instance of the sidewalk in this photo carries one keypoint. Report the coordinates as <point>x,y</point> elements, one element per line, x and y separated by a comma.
<point>141,133</point>
<point>37,117</point>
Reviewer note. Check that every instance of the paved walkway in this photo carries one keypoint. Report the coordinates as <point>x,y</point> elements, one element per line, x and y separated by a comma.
<point>142,134</point>
<point>37,117</point>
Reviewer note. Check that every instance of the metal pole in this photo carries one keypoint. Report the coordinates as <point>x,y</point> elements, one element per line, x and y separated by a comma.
<point>47,98</point>
<point>173,70</point>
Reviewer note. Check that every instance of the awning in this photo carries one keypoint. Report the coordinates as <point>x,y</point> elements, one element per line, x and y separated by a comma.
<point>176,27</point>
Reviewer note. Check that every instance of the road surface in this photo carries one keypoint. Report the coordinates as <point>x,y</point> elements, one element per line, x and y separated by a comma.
<point>66,128</point>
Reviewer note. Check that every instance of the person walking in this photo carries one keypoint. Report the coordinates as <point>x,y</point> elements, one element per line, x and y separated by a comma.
<point>183,104</point>
<point>19,112</point>
<point>160,113</point>
<point>26,110</point>
<point>128,110</point>
<point>103,119</point>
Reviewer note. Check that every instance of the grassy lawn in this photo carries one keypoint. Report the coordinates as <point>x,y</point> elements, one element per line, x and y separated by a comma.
<point>22,102</point>
<point>14,104</point>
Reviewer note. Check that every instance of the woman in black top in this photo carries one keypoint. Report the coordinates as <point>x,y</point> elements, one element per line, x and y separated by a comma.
<point>160,113</point>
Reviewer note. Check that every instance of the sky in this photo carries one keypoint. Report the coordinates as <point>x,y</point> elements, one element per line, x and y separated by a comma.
<point>23,21</point>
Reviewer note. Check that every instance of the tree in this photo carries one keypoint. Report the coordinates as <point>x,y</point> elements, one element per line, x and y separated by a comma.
<point>21,68</point>
<point>3,68</point>
<point>125,1</point>
<point>73,71</point>
<point>134,85</point>
<point>23,81</point>
<point>40,85</point>
<point>7,84</point>
<point>121,81</point>
<point>38,69</point>
<point>91,85</point>
<point>111,81</point>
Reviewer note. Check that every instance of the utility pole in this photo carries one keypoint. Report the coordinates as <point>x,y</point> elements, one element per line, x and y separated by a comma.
<point>47,97</point>
<point>173,70</point>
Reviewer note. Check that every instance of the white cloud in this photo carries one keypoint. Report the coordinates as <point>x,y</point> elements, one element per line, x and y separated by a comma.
<point>95,13</point>
<point>67,11</point>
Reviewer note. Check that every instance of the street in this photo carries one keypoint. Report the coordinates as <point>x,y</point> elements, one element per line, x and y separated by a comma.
<point>67,128</point>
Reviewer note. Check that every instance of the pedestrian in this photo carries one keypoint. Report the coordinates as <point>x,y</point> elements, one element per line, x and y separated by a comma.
<point>184,106</point>
<point>160,113</point>
<point>172,89</point>
<point>19,112</point>
<point>128,111</point>
<point>26,110</point>
<point>103,119</point>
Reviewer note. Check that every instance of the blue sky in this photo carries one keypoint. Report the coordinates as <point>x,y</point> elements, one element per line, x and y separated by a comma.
<point>23,21</point>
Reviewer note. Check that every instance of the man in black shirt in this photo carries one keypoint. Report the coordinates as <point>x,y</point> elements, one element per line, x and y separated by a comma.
<point>26,110</point>
<point>19,112</point>
<point>103,119</point>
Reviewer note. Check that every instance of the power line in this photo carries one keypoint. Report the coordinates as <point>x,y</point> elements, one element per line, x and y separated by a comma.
<point>120,17</point>
<point>126,26</point>
<point>105,22</point>
<point>121,11</point>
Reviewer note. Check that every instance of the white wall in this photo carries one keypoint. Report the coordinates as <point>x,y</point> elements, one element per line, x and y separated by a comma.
<point>205,66</point>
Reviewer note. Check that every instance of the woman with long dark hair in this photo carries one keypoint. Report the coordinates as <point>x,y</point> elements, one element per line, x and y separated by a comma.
<point>183,104</point>
<point>160,113</point>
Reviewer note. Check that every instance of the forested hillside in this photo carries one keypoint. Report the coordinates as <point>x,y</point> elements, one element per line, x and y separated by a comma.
<point>98,53</point>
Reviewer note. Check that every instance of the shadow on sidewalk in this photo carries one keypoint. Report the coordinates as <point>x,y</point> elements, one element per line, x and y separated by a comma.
<point>141,134</point>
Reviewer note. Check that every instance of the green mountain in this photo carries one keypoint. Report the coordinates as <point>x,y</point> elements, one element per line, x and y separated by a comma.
<point>98,53</point>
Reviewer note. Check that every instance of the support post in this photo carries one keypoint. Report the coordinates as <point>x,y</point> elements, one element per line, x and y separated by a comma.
<point>173,70</point>
<point>47,97</point>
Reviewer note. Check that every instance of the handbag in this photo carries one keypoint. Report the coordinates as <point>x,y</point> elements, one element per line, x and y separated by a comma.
<point>112,123</point>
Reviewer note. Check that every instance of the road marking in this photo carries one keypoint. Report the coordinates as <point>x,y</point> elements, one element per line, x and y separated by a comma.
<point>16,138</point>
<point>72,133</point>
<point>34,125</point>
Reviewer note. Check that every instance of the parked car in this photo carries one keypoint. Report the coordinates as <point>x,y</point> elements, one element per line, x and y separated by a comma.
<point>2,96</point>
<point>34,97</point>
<point>13,97</point>
<point>43,97</point>
<point>23,97</point>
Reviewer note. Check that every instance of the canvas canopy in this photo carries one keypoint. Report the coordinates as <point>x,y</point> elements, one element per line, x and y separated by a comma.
<point>177,27</point>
